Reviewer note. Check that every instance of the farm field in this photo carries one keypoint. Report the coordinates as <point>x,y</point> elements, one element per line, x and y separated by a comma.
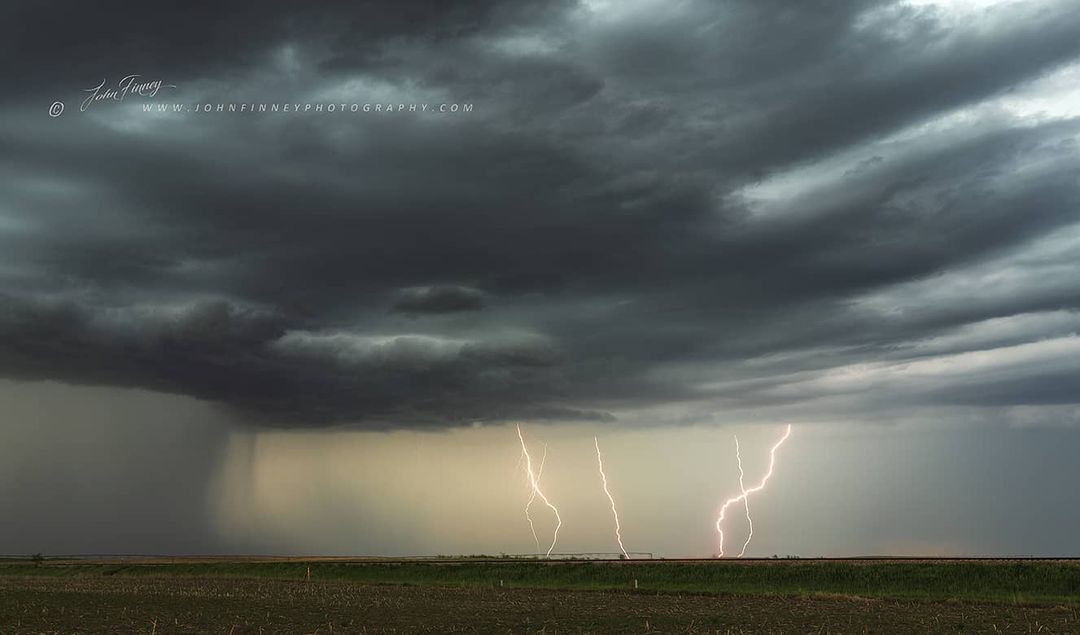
<point>486,595</point>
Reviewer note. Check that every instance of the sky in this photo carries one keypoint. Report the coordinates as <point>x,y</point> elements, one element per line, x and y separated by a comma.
<point>290,289</point>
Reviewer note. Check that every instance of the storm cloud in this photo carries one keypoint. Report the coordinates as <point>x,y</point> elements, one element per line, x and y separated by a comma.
<point>649,211</point>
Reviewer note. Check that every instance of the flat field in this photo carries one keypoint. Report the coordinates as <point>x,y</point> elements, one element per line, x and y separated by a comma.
<point>250,595</point>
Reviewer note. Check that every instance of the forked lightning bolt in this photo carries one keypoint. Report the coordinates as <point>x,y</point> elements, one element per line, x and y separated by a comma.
<point>747,492</point>
<point>614,512</point>
<point>528,516</point>
<point>533,481</point>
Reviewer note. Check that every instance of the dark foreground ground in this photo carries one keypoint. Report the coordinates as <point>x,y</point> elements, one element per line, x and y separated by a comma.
<point>227,597</point>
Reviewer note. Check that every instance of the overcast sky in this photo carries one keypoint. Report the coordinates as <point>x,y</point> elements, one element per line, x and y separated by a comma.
<point>658,222</point>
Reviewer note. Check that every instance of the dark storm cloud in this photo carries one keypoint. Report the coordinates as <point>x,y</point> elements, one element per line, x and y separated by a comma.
<point>439,299</point>
<point>724,208</point>
<point>71,41</point>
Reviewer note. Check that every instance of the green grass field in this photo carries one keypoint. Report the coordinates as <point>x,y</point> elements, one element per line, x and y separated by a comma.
<point>1015,581</point>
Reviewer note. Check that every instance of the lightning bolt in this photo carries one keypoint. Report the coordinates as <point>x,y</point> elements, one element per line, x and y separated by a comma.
<point>528,516</point>
<point>745,495</point>
<point>614,512</point>
<point>746,499</point>
<point>539,492</point>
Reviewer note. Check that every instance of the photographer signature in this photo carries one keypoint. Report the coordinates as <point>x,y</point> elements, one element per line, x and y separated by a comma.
<point>130,85</point>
